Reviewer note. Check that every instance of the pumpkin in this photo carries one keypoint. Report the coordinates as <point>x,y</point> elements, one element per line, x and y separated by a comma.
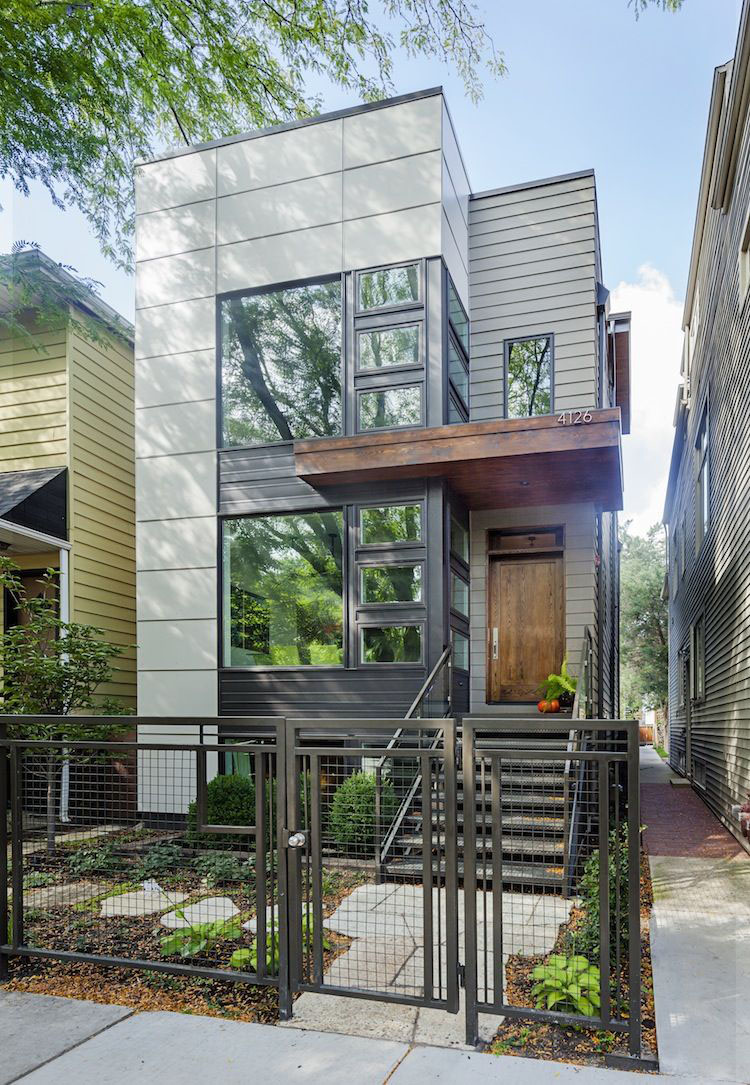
<point>553,706</point>
<point>543,706</point>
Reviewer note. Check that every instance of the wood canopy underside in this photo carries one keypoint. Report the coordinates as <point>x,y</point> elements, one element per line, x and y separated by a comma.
<point>499,464</point>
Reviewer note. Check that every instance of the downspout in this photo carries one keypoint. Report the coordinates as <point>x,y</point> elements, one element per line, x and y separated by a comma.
<point>65,617</point>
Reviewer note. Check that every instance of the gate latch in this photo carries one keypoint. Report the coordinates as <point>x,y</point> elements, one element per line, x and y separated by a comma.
<point>462,975</point>
<point>295,838</point>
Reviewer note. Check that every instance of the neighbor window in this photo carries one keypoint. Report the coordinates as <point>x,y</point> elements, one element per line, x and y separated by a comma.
<point>388,286</point>
<point>702,495</point>
<point>390,524</point>
<point>391,644</point>
<point>460,644</point>
<point>388,408</point>
<point>381,347</point>
<point>281,364</point>
<point>699,659</point>
<point>391,584</point>
<point>528,377</point>
<point>459,595</point>
<point>283,590</point>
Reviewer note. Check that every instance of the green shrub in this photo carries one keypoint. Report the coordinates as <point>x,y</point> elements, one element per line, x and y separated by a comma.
<point>93,859</point>
<point>222,868</point>
<point>159,859</point>
<point>230,800</point>
<point>351,821</point>
<point>567,984</point>
<point>587,936</point>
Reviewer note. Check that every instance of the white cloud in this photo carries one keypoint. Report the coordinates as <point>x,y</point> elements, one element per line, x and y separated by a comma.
<point>655,350</point>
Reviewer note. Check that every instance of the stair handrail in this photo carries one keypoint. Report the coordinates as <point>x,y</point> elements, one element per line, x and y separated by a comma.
<point>570,808</point>
<point>383,847</point>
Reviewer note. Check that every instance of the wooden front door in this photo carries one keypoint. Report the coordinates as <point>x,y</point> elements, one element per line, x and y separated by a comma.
<point>526,634</point>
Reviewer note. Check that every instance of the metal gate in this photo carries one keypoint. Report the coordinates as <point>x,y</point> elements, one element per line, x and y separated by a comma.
<point>552,872</point>
<point>371,901</point>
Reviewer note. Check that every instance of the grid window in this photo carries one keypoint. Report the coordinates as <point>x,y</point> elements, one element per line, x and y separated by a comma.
<point>390,408</point>
<point>391,583</point>
<point>391,644</point>
<point>388,286</point>
<point>384,524</point>
<point>380,348</point>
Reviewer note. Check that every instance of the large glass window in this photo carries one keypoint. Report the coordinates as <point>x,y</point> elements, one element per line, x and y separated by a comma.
<point>281,364</point>
<point>381,347</point>
<point>459,540</point>
<point>386,524</point>
<point>283,590</point>
<point>391,644</point>
<point>528,377</point>
<point>388,286</point>
<point>391,583</point>
<point>390,407</point>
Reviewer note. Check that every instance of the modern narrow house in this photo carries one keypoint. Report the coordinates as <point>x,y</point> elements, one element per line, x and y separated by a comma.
<point>707,510</point>
<point>67,462</point>
<point>379,423</point>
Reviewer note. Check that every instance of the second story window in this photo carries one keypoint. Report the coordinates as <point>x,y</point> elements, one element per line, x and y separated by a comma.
<point>702,482</point>
<point>528,377</point>
<point>386,287</point>
<point>281,364</point>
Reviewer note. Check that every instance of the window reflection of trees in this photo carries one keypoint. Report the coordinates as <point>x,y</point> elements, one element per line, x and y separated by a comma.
<point>530,377</point>
<point>281,364</point>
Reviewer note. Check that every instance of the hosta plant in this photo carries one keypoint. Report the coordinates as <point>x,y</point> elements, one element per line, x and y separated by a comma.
<point>567,984</point>
<point>247,957</point>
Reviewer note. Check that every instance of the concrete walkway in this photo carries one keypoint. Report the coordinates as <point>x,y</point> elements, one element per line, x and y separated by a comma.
<point>700,931</point>
<point>46,1040</point>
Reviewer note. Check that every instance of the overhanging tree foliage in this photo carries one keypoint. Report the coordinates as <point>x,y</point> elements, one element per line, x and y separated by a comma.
<point>50,667</point>
<point>644,619</point>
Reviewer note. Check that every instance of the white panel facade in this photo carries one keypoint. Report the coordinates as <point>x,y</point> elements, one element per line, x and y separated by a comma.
<point>173,181</point>
<point>175,378</point>
<point>279,157</point>
<point>176,428</point>
<point>179,229</point>
<point>399,130</point>
<point>176,278</point>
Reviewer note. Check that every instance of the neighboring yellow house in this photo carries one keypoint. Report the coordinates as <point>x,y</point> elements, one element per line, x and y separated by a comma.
<point>67,493</point>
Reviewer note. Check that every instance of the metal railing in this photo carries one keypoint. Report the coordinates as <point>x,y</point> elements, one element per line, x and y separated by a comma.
<point>420,708</point>
<point>576,769</point>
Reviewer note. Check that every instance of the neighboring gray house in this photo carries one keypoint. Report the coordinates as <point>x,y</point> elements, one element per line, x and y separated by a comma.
<point>707,509</point>
<point>377,414</point>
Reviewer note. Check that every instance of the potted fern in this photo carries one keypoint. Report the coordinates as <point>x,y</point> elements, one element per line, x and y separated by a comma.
<point>558,690</point>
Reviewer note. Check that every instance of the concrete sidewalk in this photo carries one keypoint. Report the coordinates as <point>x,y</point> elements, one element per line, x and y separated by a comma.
<point>46,1040</point>
<point>700,931</point>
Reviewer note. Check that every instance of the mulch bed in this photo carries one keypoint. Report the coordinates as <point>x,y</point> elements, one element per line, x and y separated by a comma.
<point>584,1047</point>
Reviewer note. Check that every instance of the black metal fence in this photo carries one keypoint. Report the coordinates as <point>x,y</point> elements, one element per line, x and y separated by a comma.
<point>488,862</point>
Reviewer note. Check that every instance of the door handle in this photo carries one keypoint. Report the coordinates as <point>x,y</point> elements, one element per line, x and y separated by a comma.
<point>495,641</point>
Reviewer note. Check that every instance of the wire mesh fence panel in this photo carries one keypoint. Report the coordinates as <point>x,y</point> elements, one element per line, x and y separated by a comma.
<point>375,879</point>
<point>553,888</point>
<point>146,854</point>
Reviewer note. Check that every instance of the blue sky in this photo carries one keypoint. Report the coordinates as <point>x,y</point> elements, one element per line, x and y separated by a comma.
<point>588,85</point>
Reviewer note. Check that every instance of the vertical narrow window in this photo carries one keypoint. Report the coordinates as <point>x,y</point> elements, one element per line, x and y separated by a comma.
<point>745,260</point>
<point>699,659</point>
<point>683,537</point>
<point>702,482</point>
<point>528,377</point>
<point>281,364</point>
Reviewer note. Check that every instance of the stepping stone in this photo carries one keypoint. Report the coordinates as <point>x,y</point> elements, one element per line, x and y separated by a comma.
<point>61,896</point>
<point>209,910</point>
<point>140,902</point>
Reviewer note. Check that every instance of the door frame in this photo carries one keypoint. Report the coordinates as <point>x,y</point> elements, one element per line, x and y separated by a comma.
<point>524,534</point>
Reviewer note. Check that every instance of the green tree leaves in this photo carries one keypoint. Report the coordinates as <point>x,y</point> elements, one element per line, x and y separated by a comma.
<point>643,621</point>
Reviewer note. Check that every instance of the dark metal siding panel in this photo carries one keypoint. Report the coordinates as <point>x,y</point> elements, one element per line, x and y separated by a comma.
<point>717,580</point>
<point>383,692</point>
<point>263,480</point>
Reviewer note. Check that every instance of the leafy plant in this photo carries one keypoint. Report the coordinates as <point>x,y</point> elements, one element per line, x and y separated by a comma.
<point>93,859</point>
<point>159,859</point>
<point>567,984</point>
<point>352,816</point>
<point>199,937</point>
<point>222,868</point>
<point>37,879</point>
<point>560,687</point>
<point>587,937</point>
<point>247,957</point>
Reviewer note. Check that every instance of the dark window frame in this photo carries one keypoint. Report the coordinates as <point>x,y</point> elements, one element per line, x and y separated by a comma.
<point>420,623</point>
<point>266,668</point>
<point>396,307</point>
<point>698,659</point>
<point>400,544</point>
<point>395,325</point>
<point>507,344</point>
<point>390,387</point>
<point>272,288</point>
<point>456,632</point>
<point>395,561</point>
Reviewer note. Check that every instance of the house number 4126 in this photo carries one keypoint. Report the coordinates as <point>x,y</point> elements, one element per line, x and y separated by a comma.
<point>574,418</point>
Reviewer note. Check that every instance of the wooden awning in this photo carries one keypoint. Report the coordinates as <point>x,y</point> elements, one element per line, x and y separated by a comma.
<point>501,464</point>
